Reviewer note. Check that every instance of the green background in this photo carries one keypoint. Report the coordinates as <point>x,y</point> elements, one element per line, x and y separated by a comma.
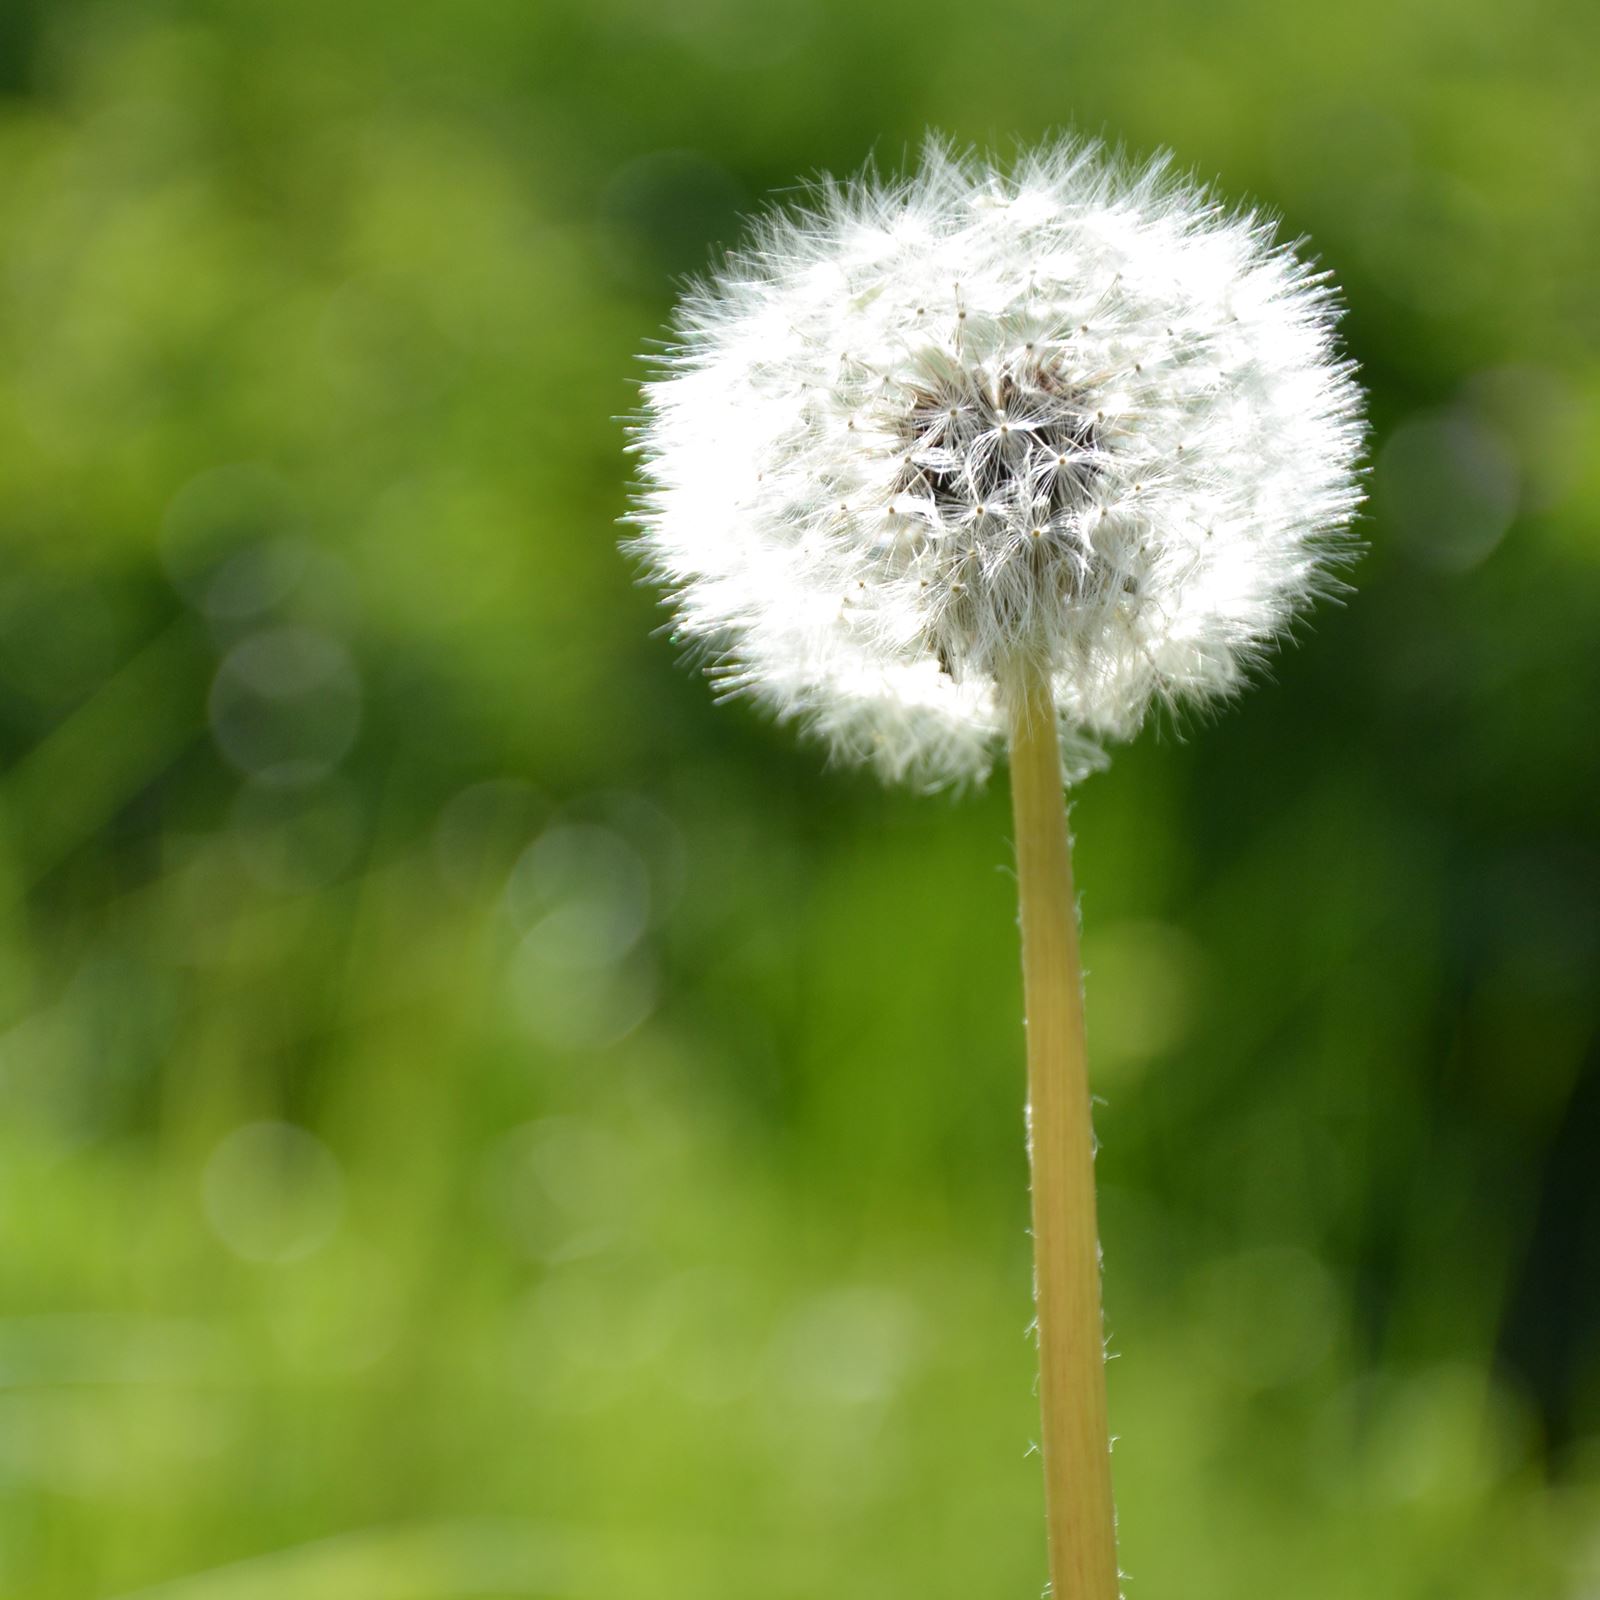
<point>479,1119</point>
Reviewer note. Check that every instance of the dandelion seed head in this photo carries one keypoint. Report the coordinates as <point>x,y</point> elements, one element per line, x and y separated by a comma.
<point>1069,416</point>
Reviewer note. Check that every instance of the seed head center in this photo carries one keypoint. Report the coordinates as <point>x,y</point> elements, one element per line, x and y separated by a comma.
<point>1021,442</point>
<point>1001,456</point>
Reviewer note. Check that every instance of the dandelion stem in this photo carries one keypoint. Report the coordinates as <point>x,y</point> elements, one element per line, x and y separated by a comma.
<point>1075,1442</point>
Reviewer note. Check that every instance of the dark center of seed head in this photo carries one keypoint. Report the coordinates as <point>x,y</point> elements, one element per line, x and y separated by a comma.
<point>1027,440</point>
<point>999,457</point>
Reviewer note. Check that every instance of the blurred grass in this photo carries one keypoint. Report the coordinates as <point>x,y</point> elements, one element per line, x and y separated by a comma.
<point>477,1119</point>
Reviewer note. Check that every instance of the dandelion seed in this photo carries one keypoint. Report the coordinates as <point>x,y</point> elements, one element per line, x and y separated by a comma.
<point>1181,290</point>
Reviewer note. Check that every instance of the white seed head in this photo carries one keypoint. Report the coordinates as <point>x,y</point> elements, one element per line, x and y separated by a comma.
<point>921,434</point>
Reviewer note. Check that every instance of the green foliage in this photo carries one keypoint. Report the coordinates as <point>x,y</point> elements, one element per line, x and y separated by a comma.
<point>479,1119</point>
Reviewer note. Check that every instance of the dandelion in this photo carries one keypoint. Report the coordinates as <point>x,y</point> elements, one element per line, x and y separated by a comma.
<point>987,458</point>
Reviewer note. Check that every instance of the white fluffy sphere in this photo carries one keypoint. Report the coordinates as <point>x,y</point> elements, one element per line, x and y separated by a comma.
<point>922,437</point>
